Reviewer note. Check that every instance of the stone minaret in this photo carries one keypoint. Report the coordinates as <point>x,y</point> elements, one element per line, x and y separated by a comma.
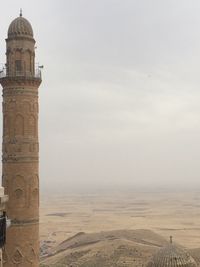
<point>20,81</point>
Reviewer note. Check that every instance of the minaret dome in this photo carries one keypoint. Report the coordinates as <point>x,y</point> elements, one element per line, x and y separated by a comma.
<point>20,27</point>
<point>172,255</point>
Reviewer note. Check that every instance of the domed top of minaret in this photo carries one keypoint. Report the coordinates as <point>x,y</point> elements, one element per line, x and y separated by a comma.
<point>172,255</point>
<point>20,27</point>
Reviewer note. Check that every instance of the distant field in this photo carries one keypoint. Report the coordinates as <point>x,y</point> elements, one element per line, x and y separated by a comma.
<point>166,214</point>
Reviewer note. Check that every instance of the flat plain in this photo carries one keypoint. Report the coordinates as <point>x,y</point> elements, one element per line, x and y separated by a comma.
<point>164,213</point>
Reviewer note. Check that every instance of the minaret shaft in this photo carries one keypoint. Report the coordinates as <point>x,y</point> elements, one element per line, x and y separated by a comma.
<point>20,148</point>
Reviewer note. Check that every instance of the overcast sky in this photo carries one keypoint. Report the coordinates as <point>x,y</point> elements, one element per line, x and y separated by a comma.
<point>120,98</point>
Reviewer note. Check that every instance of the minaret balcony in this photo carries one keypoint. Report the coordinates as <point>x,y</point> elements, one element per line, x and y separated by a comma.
<point>21,74</point>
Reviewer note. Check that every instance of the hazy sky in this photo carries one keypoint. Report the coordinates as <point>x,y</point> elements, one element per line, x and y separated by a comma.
<point>120,98</point>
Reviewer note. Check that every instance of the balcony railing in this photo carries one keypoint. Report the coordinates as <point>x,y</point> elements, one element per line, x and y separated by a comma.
<point>23,74</point>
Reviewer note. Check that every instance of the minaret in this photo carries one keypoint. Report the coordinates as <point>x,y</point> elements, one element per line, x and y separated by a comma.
<point>20,81</point>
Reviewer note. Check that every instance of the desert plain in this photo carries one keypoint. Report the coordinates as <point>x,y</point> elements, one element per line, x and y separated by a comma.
<point>150,217</point>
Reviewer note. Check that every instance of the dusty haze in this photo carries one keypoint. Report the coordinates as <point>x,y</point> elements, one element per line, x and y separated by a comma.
<point>119,102</point>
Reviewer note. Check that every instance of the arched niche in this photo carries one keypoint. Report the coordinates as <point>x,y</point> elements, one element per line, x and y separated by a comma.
<point>6,126</point>
<point>32,125</point>
<point>28,62</point>
<point>18,63</point>
<point>34,191</point>
<point>19,191</point>
<point>11,105</point>
<point>36,107</point>
<point>26,106</point>
<point>19,125</point>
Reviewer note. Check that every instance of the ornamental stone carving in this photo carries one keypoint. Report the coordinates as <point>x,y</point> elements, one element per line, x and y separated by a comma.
<point>17,256</point>
<point>31,256</point>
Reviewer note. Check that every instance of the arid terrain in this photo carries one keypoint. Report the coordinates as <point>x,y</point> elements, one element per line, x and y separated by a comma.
<point>116,228</point>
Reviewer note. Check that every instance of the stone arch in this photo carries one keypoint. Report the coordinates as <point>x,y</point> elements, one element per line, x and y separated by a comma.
<point>6,126</point>
<point>27,62</point>
<point>34,191</point>
<point>11,105</point>
<point>32,125</point>
<point>18,62</point>
<point>18,54</point>
<point>19,125</point>
<point>36,107</point>
<point>19,189</point>
<point>26,106</point>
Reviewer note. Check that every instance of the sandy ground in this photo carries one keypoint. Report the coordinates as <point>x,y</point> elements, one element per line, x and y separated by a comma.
<point>176,214</point>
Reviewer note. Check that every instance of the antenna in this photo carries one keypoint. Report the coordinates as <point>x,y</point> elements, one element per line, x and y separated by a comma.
<point>20,12</point>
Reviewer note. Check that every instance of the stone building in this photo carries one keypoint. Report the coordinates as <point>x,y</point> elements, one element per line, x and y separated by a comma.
<point>3,223</point>
<point>172,255</point>
<point>20,175</point>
